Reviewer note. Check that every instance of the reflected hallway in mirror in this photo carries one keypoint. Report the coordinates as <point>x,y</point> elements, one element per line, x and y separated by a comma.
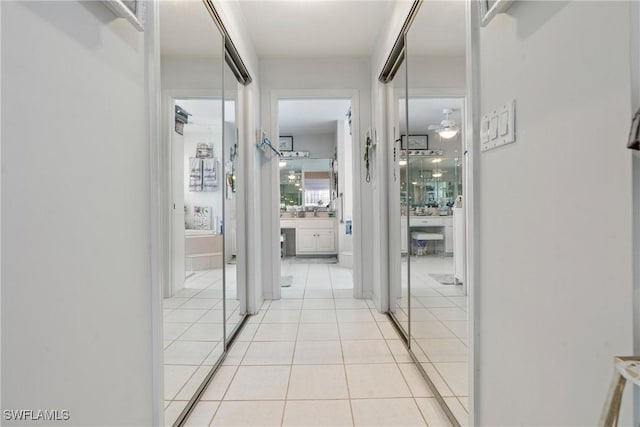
<point>316,198</point>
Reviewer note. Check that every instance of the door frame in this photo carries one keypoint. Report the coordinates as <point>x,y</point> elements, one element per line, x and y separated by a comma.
<point>354,96</point>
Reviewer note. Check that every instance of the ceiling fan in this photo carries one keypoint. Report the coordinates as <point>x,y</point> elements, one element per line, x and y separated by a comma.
<point>447,128</point>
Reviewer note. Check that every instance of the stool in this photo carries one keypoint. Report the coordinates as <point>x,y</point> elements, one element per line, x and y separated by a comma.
<point>420,240</point>
<point>626,368</point>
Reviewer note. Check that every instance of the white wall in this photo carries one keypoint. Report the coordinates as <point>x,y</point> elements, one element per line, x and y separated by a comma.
<point>314,76</point>
<point>319,146</point>
<point>345,178</point>
<point>554,287</point>
<point>76,296</point>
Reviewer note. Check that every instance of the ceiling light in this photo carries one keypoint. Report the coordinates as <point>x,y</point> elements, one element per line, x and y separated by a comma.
<point>283,163</point>
<point>292,175</point>
<point>297,184</point>
<point>436,174</point>
<point>447,133</point>
<point>402,162</point>
<point>438,160</point>
<point>415,183</point>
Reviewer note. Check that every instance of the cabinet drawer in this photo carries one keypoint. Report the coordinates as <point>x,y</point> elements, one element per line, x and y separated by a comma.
<point>316,223</point>
<point>427,222</point>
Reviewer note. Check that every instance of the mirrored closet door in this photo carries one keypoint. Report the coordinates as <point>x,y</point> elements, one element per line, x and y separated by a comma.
<point>428,299</point>
<point>204,305</point>
<point>234,304</point>
<point>193,306</point>
<point>435,214</point>
<point>399,297</point>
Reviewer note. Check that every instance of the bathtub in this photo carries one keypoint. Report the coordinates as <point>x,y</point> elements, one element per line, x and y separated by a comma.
<point>190,232</point>
<point>202,249</point>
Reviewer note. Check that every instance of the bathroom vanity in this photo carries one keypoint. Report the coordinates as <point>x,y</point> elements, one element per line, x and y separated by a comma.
<point>443,225</point>
<point>313,235</point>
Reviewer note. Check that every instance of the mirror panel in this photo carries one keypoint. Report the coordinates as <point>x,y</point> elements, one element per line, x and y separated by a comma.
<point>305,184</point>
<point>399,286</point>
<point>193,316</point>
<point>438,316</point>
<point>234,309</point>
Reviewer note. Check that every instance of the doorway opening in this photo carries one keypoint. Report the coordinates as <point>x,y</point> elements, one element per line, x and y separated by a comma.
<point>316,198</point>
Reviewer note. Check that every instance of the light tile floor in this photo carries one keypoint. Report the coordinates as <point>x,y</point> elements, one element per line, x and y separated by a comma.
<point>318,357</point>
<point>193,329</point>
<point>439,329</point>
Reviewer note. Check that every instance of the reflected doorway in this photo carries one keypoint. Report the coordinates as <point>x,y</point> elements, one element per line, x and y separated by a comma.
<point>316,198</point>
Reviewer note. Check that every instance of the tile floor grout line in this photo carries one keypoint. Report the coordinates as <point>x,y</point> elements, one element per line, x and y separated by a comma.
<point>346,376</point>
<point>317,289</point>
<point>293,355</point>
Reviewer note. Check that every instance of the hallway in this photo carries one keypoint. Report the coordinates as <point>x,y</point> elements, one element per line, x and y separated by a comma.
<point>318,357</point>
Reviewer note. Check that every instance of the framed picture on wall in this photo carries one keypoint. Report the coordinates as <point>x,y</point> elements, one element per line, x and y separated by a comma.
<point>285,143</point>
<point>415,142</point>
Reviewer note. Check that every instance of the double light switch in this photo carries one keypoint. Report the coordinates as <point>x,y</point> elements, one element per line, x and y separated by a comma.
<point>498,127</point>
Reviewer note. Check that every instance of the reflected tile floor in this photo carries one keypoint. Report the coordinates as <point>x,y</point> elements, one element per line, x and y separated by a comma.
<point>439,327</point>
<point>317,357</point>
<point>193,328</point>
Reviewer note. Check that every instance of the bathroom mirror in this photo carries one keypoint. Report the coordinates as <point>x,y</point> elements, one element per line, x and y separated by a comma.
<point>434,182</point>
<point>306,183</point>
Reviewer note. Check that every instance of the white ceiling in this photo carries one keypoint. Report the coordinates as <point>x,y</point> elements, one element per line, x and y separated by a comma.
<point>303,29</point>
<point>187,30</point>
<point>310,116</point>
<point>312,29</point>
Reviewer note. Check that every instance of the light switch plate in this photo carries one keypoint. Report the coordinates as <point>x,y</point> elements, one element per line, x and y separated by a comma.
<point>500,127</point>
<point>493,127</point>
<point>484,129</point>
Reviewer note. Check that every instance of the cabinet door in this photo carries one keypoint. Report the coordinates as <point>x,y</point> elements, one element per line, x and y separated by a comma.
<point>305,241</point>
<point>448,239</point>
<point>326,241</point>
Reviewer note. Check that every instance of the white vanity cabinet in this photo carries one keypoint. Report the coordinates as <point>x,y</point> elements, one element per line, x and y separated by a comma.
<point>314,236</point>
<point>315,242</point>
